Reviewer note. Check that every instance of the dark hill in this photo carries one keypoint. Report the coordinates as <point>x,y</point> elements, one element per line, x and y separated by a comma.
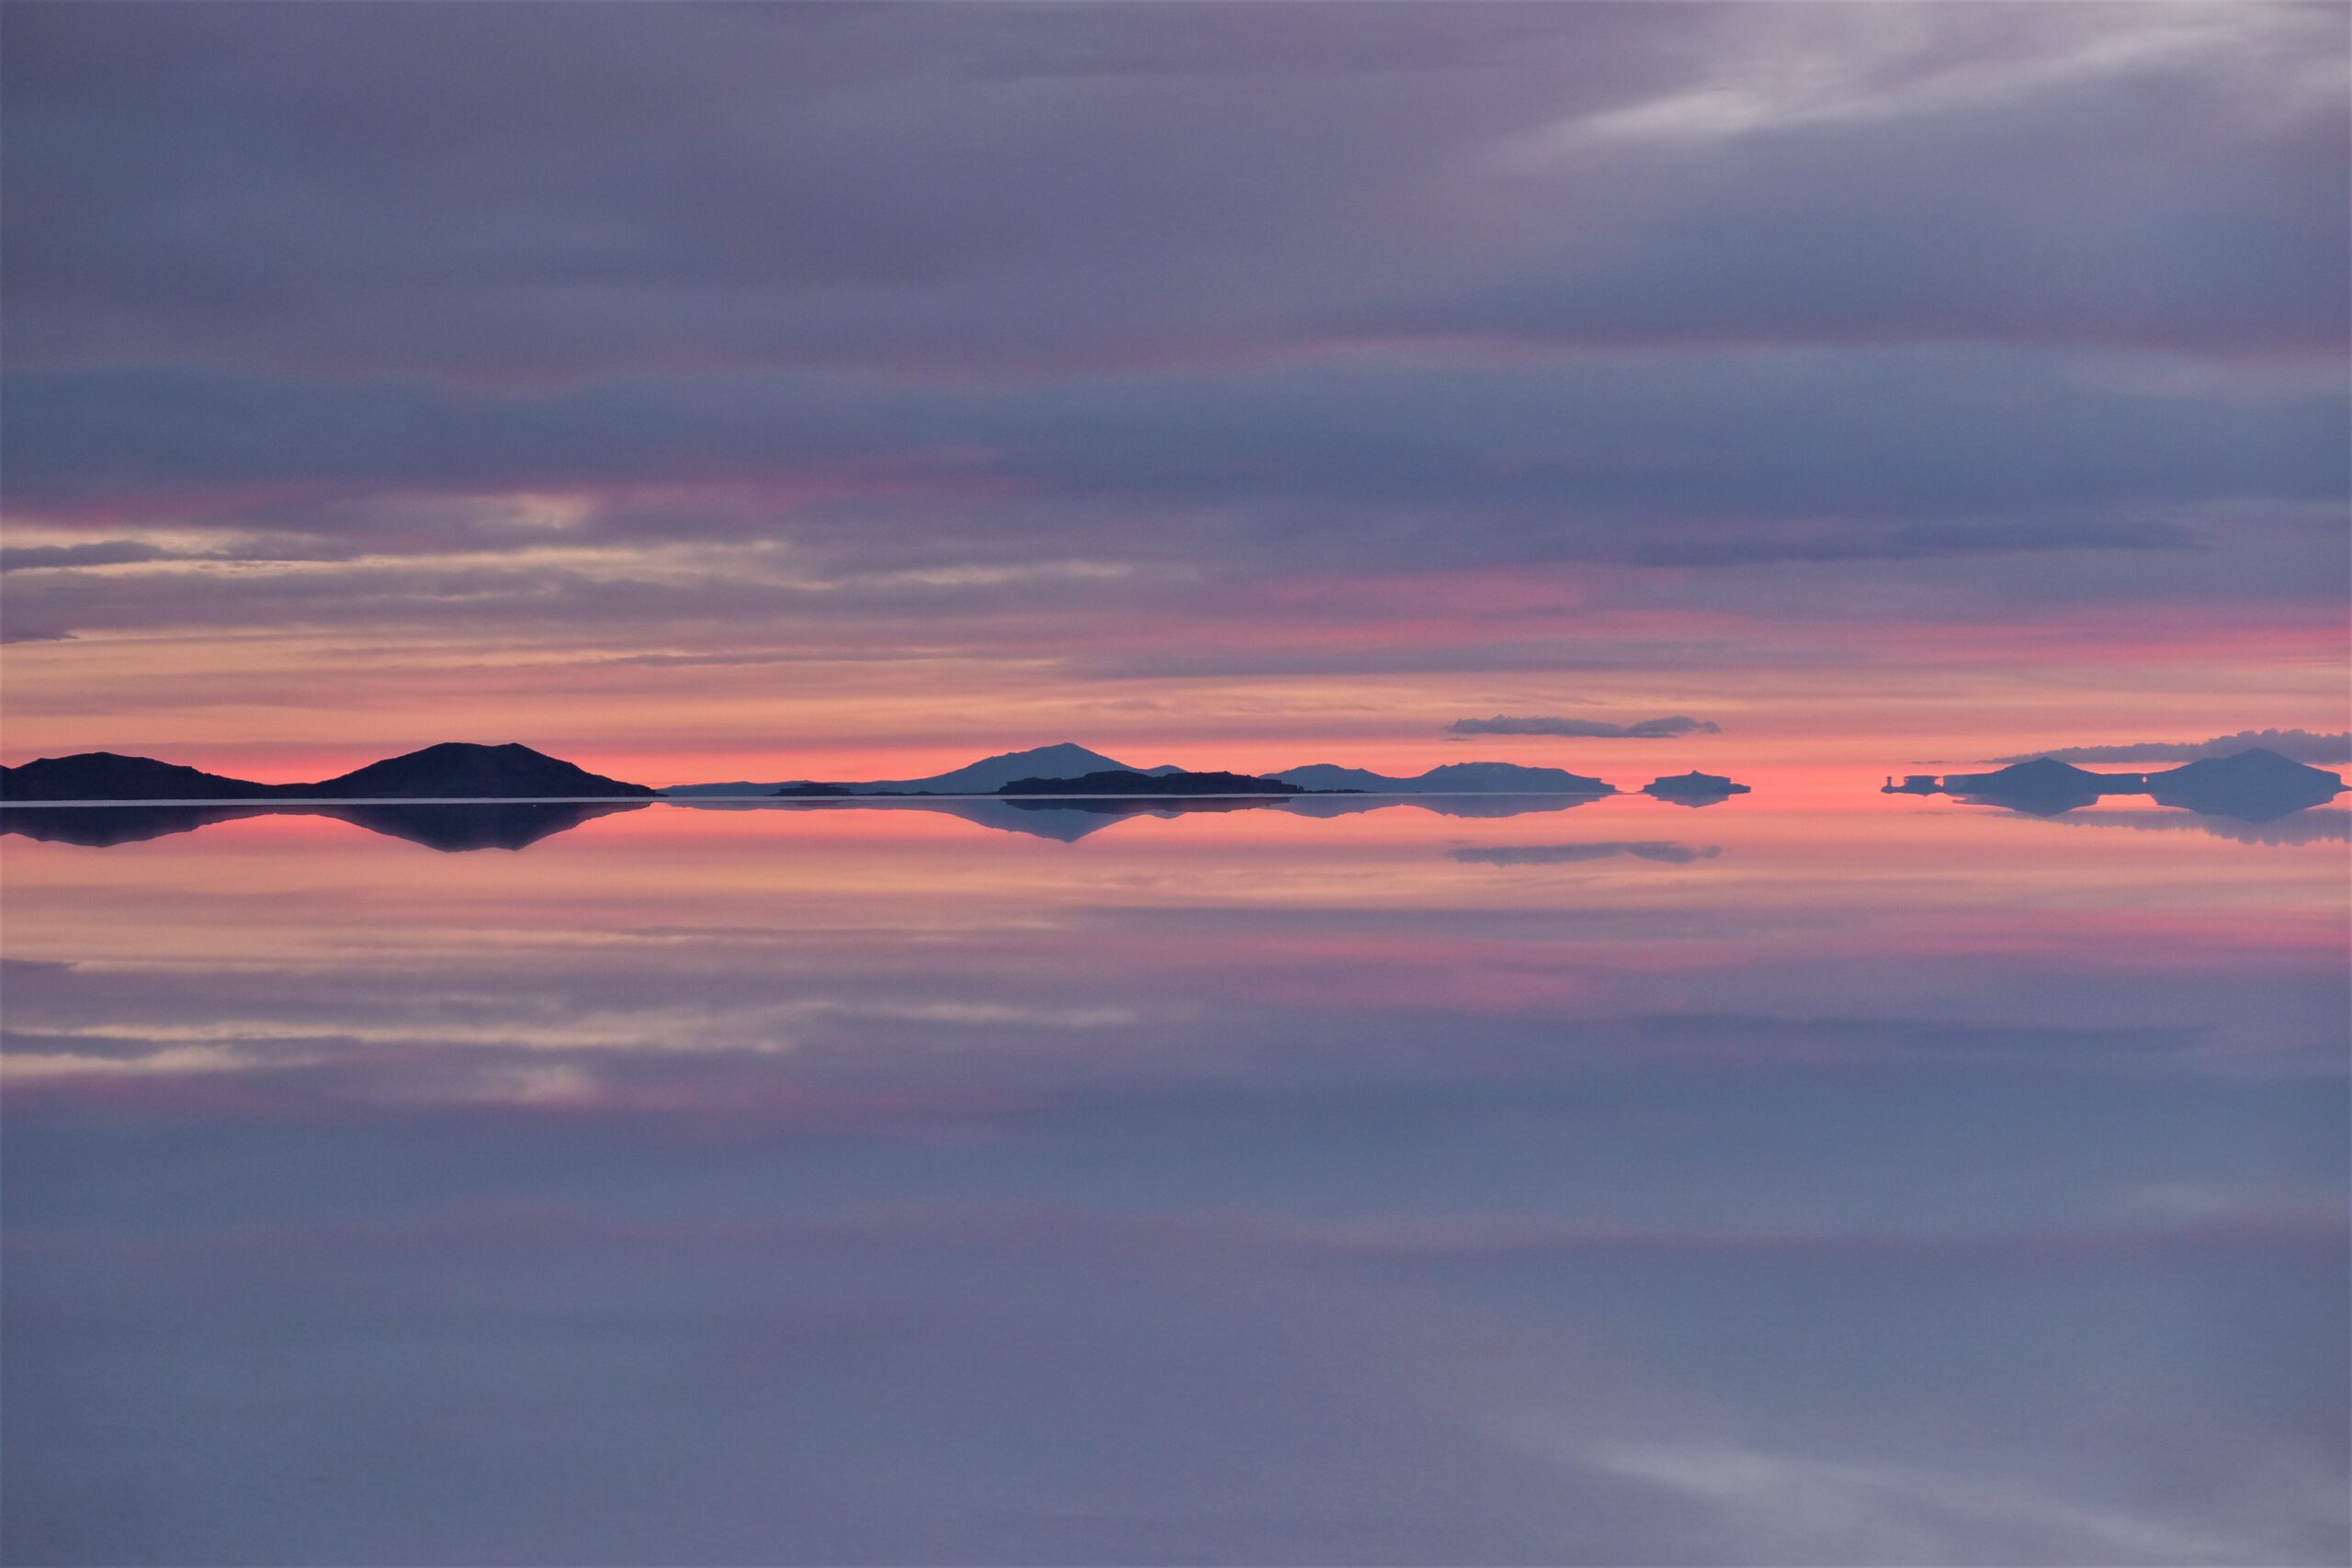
<point>1122,780</point>
<point>2042,787</point>
<point>2042,773</point>
<point>107,775</point>
<point>455,771</point>
<point>2255,785</point>
<point>458,771</point>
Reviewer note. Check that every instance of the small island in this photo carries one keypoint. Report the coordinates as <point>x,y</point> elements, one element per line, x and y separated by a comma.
<point>1693,788</point>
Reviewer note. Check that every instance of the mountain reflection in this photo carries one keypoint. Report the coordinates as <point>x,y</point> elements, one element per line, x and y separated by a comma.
<point>1069,821</point>
<point>2315,825</point>
<point>789,1186</point>
<point>517,825</point>
<point>453,828</point>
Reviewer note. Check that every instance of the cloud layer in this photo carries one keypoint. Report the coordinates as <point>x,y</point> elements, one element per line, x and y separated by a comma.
<point>1123,344</point>
<point>2300,744</point>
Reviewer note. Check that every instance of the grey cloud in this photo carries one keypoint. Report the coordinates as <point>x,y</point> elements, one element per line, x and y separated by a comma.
<point>98,552</point>
<point>2303,745</point>
<point>637,255</point>
<point>1600,729</point>
<point>2013,231</point>
<point>1913,456</point>
<point>698,188</point>
<point>695,189</point>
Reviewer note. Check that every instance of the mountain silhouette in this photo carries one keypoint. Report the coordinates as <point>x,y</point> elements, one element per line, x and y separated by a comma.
<point>1067,760</point>
<point>458,771</point>
<point>1458,778</point>
<point>446,826</point>
<point>1693,788</point>
<point>1127,782</point>
<point>2042,787</point>
<point>452,771</point>
<point>2255,785</point>
<point>108,776</point>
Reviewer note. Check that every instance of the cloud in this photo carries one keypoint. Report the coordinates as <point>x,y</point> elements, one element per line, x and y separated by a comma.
<point>1765,314</point>
<point>1787,1507</point>
<point>1590,728</point>
<point>98,552</point>
<point>2303,745</point>
<point>1770,69</point>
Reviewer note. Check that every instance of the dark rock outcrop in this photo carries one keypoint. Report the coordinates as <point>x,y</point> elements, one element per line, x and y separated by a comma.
<point>1693,788</point>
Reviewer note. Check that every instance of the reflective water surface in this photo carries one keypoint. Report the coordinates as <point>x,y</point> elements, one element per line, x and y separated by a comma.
<point>1335,1181</point>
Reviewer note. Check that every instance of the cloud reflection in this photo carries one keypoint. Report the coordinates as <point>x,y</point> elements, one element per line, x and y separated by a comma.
<point>821,1184</point>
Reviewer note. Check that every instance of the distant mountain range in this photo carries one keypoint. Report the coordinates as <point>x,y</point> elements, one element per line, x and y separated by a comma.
<point>1065,763</point>
<point>519,795</point>
<point>461,770</point>
<point>453,771</point>
<point>2253,785</point>
<point>984,777</point>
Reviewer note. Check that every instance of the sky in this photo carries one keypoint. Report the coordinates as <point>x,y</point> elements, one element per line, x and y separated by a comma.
<point>707,392</point>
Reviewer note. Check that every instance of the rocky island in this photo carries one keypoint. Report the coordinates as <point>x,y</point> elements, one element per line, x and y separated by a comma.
<point>2255,785</point>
